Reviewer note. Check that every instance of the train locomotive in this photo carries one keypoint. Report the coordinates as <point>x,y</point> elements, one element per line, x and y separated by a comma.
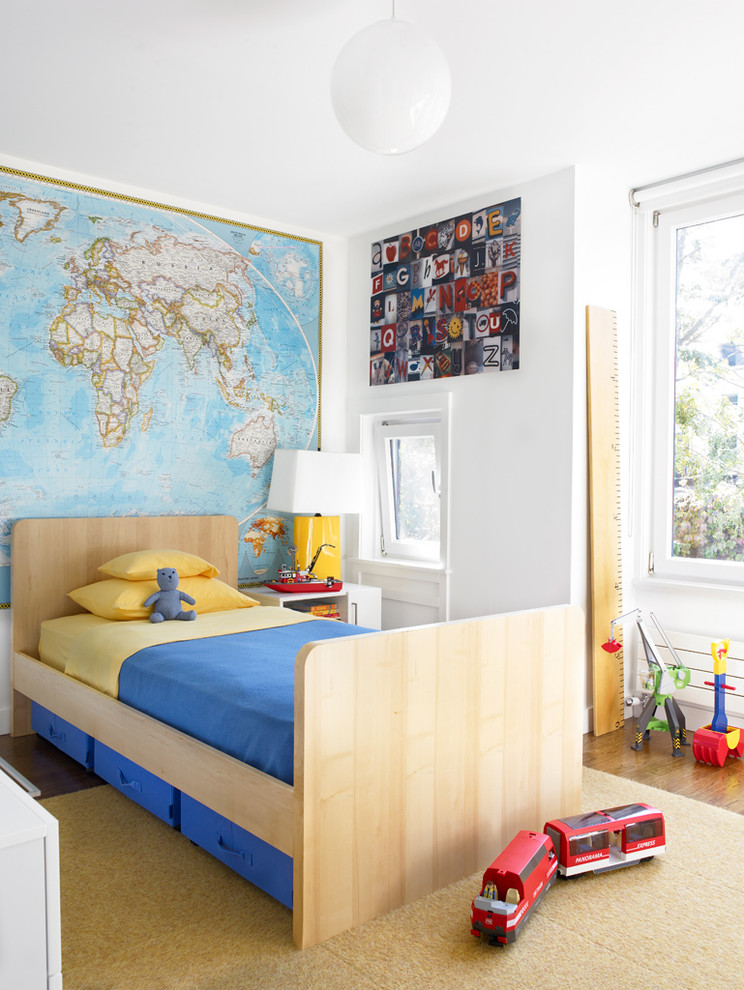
<point>513,885</point>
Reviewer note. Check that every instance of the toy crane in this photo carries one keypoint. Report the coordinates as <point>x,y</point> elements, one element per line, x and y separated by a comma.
<point>662,682</point>
<point>314,561</point>
<point>292,580</point>
<point>715,742</point>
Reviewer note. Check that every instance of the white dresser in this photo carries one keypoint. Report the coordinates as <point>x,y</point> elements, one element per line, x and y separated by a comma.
<point>30,933</point>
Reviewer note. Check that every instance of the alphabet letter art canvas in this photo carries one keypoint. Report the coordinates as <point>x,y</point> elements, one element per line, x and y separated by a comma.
<point>445,298</point>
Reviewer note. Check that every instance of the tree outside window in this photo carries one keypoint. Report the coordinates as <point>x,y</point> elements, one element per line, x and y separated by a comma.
<point>708,493</point>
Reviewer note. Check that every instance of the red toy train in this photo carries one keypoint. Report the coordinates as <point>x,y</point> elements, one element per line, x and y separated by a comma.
<point>521,875</point>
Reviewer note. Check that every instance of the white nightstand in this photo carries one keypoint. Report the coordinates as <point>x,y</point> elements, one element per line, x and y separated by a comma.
<point>357,603</point>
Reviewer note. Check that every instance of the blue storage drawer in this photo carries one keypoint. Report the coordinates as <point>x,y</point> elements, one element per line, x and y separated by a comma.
<point>251,857</point>
<point>63,735</point>
<point>153,793</point>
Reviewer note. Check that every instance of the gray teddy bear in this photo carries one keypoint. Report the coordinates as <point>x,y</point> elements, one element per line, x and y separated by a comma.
<point>168,600</point>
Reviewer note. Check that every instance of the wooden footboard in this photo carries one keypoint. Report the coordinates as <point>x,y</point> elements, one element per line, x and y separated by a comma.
<point>419,753</point>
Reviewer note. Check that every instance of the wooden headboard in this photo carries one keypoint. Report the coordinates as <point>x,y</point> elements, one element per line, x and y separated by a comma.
<point>50,557</point>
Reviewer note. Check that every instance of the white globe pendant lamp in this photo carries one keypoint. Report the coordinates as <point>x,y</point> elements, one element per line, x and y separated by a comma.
<point>390,87</point>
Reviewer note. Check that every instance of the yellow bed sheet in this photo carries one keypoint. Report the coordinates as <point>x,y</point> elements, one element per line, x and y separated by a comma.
<point>58,635</point>
<point>94,652</point>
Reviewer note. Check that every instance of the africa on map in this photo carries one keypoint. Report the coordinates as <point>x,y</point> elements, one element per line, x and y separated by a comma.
<point>151,361</point>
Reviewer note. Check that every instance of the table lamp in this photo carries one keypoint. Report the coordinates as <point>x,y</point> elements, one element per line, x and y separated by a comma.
<point>316,487</point>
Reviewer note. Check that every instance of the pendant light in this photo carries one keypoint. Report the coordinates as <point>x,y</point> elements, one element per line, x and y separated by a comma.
<point>390,87</point>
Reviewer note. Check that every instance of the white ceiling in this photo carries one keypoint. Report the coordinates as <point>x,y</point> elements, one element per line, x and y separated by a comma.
<point>226,102</point>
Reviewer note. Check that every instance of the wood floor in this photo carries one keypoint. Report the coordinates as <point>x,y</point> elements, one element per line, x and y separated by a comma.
<point>44,765</point>
<point>655,765</point>
<point>54,773</point>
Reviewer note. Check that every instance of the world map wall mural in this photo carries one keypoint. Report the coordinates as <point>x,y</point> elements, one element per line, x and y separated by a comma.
<point>445,298</point>
<point>151,361</point>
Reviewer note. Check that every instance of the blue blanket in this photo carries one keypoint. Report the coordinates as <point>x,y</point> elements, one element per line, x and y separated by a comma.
<point>234,692</point>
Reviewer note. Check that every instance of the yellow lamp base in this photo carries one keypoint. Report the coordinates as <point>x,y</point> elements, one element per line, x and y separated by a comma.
<point>309,533</point>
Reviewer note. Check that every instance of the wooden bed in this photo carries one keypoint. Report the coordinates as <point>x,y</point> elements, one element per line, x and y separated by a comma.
<point>418,752</point>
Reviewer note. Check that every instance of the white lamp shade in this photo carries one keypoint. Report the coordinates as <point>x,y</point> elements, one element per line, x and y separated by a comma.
<point>306,482</point>
<point>390,87</point>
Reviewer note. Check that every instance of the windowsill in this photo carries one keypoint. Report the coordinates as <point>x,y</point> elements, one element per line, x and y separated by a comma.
<point>433,567</point>
<point>676,584</point>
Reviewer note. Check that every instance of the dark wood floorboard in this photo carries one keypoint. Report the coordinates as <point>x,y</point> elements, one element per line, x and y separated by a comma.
<point>55,773</point>
<point>655,765</point>
<point>51,770</point>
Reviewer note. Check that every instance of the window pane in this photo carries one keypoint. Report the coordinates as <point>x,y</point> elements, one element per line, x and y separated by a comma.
<point>589,843</point>
<point>644,830</point>
<point>708,495</point>
<point>413,462</point>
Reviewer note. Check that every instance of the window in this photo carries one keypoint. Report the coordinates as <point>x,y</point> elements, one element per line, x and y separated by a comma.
<point>591,842</point>
<point>624,811</point>
<point>408,460</point>
<point>555,835</point>
<point>644,830</point>
<point>535,860</point>
<point>692,346</point>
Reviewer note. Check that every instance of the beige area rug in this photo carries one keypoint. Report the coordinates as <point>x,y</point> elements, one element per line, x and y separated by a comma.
<point>144,909</point>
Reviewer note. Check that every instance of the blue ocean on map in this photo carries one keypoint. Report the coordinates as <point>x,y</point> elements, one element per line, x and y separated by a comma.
<point>151,361</point>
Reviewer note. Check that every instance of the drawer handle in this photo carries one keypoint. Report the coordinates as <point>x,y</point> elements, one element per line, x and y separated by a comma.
<point>56,735</point>
<point>242,853</point>
<point>134,784</point>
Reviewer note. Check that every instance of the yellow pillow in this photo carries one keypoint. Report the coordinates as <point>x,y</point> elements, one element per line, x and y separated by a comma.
<point>143,565</point>
<point>123,600</point>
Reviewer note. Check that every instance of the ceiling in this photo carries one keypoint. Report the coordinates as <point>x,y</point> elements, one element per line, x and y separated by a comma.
<point>226,103</point>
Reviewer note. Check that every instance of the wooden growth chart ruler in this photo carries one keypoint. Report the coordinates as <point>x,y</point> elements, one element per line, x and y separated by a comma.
<point>604,514</point>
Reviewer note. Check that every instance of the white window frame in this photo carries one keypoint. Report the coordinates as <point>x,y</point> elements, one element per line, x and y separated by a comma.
<point>656,221</point>
<point>383,432</point>
<point>407,418</point>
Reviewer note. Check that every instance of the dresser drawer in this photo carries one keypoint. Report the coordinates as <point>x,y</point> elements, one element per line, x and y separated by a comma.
<point>251,857</point>
<point>63,735</point>
<point>153,793</point>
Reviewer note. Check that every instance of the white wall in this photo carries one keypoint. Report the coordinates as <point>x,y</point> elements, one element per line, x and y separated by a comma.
<point>512,441</point>
<point>603,254</point>
<point>333,427</point>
